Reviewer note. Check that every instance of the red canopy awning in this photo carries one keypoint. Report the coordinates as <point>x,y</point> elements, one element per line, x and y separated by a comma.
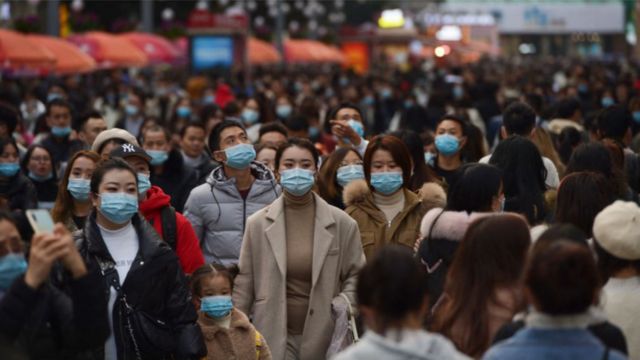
<point>109,50</point>
<point>17,52</point>
<point>302,51</point>
<point>157,48</point>
<point>69,58</point>
<point>262,52</point>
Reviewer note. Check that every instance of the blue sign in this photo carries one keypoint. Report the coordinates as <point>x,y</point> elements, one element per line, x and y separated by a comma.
<point>211,51</point>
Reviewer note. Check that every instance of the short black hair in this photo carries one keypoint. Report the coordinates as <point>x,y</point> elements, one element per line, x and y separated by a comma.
<point>474,187</point>
<point>273,127</point>
<point>192,124</point>
<point>297,123</point>
<point>463,124</point>
<point>345,105</point>
<point>519,119</point>
<point>106,166</point>
<point>5,215</point>
<point>9,116</point>
<point>91,114</point>
<point>393,270</point>
<point>566,108</point>
<point>208,111</point>
<point>214,137</point>
<point>60,103</point>
<point>614,122</point>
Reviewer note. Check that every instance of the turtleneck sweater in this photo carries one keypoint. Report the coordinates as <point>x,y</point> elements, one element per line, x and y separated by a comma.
<point>390,205</point>
<point>299,215</point>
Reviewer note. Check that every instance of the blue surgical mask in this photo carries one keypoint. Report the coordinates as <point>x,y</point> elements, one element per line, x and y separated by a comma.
<point>386,183</point>
<point>314,132</point>
<point>158,157</point>
<point>348,173</point>
<point>183,111</point>
<point>357,127</point>
<point>9,169</point>
<point>118,207</point>
<point>60,131</point>
<point>607,101</point>
<point>283,111</point>
<point>429,157</point>
<point>297,181</point>
<point>447,144</point>
<point>39,178</point>
<point>11,266</point>
<point>583,88</point>
<point>386,93</point>
<point>458,92</point>
<point>217,306</point>
<point>144,184</point>
<point>79,189</point>
<point>250,116</point>
<point>368,100</point>
<point>343,81</point>
<point>636,117</point>
<point>209,99</point>
<point>131,110</point>
<point>53,96</point>
<point>240,156</point>
<point>408,104</point>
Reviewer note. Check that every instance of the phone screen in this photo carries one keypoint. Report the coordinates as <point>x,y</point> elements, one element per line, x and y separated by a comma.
<point>40,220</point>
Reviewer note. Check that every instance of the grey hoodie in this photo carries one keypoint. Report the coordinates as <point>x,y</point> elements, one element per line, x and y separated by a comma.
<point>218,213</point>
<point>402,345</point>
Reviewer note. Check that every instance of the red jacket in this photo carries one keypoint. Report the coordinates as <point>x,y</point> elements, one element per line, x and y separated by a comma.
<point>187,245</point>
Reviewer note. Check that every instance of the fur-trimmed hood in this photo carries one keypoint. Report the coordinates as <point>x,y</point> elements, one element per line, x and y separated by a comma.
<point>451,225</point>
<point>430,195</point>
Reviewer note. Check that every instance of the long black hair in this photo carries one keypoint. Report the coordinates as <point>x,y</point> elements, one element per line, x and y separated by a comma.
<point>524,177</point>
<point>421,172</point>
<point>474,187</point>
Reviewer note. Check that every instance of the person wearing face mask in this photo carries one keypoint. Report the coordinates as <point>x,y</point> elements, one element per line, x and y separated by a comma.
<point>346,122</point>
<point>168,169</point>
<point>156,208</point>
<point>228,332</point>
<point>39,167</point>
<point>451,137</point>
<point>151,315</point>
<point>72,205</point>
<point>134,112</point>
<point>251,118</point>
<point>283,108</point>
<point>59,141</point>
<point>234,190</point>
<point>298,254</point>
<point>194,152</point>
<point>339,169</point>
<point>383,206</point>
<point>17,192</point>
<point>42,318</point>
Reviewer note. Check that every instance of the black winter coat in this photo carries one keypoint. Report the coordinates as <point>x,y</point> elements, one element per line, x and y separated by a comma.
<point>176,180</point>
<point>154,286</point>
<point>21,195</point>
<point>47,323</point>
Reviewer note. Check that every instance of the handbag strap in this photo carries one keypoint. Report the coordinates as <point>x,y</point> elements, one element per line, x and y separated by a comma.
<point>352,319</point>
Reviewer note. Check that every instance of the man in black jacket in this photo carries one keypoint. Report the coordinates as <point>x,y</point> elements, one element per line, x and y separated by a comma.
<point>169,172</point>
<point>37,318</point>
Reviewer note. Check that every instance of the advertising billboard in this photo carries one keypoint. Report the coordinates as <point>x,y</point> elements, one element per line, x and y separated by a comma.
<point>211,51</point>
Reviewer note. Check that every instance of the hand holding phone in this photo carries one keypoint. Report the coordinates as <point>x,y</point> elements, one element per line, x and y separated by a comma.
<point>40,221</point>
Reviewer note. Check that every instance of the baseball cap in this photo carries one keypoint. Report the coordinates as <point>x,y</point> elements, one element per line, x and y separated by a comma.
<point>111,134</point>
<point>129,150</point>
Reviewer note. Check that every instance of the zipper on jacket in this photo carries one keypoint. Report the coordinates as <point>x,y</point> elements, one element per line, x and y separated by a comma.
<point>388,224</point>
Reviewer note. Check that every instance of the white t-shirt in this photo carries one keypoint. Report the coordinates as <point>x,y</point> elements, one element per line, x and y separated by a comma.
<point>552,181</point>
<point>123,246</point>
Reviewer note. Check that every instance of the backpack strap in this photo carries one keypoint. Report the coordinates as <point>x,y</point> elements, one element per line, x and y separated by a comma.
<point>169,225</point>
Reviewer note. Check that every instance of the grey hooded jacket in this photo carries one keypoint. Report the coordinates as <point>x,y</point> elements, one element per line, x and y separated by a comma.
<point>218,212</point>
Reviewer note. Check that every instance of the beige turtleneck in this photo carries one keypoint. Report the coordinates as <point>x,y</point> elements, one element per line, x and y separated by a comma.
<point>300,213</point>
<point>390,205</point>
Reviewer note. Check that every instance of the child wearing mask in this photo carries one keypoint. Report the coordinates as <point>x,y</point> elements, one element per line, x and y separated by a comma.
<point>227,331</point>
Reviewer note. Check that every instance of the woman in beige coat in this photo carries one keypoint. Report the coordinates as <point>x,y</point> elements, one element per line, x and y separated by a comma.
<point>298,255</point>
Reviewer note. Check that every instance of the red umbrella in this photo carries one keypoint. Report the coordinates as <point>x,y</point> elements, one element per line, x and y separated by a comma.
<point>301,51</point>
<point>109,50</point>
<point>69,58</point>
<point>17,52</point>
<point>157,48</point>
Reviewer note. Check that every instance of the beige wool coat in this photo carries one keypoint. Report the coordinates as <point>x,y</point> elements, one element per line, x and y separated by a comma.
<point>260,287</point>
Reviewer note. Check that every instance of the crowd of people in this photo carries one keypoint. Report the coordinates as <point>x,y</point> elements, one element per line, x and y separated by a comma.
<point>489,210</point>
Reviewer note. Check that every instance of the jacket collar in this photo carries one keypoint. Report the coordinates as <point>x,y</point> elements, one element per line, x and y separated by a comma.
<point>260,172</point>
<point>322,238</point>
<point>238,321</point>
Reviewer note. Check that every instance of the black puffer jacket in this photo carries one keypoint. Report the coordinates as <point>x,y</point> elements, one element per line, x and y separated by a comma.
<point>176,180</point>
<point>48,323</point>
<point>155,286</point>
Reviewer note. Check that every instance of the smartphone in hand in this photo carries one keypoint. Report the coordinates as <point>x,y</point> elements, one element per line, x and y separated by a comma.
<point>40,220</point>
